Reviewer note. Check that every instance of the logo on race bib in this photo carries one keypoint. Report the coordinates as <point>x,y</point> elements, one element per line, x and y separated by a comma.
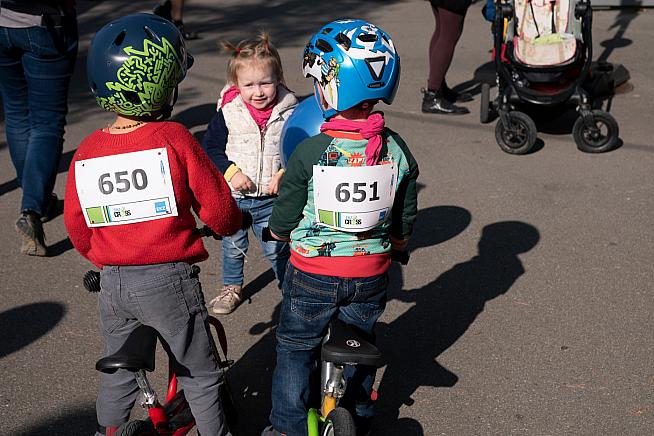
<point>349,220</point>
<point>160,207</point>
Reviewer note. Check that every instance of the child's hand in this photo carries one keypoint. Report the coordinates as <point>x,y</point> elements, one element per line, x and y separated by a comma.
<point>275,183</point>
<point>242,183</point>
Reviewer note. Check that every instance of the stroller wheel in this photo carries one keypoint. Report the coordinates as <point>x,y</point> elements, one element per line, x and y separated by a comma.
<point>485,108</point>
<point>519,137</point>
<point>601,136</point>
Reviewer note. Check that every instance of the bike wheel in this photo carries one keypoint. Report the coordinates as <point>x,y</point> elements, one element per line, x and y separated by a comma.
<point>136,428</point>
<point>339,422</point>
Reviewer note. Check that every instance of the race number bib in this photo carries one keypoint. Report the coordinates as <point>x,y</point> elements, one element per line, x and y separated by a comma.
<point>125,188</point>
<point>353,199</point>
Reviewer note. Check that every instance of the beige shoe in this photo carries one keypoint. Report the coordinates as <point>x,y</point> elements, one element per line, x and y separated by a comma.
<point>227,300</point>
<point>30,229</point>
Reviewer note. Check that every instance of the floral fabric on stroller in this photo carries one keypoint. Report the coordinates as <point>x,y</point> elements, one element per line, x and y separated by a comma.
<point>542,55</point>
<point>546,33</point>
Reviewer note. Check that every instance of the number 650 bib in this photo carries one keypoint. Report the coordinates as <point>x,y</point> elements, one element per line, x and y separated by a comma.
<point>353,199</point>
<point>125,188</point>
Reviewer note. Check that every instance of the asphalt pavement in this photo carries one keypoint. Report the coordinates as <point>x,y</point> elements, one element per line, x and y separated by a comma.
<point>526,308</point>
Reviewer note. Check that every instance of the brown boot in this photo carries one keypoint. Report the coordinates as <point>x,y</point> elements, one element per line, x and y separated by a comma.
<point>30,229</point>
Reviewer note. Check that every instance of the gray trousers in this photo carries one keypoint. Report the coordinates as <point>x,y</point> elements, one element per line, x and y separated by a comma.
<point>167,297</point>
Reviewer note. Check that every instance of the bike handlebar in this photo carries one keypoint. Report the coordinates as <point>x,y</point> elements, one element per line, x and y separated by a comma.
<point>92,281</point>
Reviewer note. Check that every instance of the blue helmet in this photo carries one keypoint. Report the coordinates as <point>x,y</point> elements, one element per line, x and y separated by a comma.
<point>351,61</point>
<point>304,122</point>
<point>135,63</point>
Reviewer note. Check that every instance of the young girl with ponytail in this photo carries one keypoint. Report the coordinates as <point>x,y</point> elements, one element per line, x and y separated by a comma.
<point>243,141</point>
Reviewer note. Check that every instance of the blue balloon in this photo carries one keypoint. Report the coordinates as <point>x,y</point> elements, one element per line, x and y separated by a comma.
<point>304,122</point>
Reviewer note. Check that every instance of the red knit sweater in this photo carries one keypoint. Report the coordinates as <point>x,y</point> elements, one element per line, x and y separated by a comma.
<point>197,185</point>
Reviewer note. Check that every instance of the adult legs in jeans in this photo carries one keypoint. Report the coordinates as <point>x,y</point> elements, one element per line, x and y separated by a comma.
<point>309,303</point>
<point>36,65</point>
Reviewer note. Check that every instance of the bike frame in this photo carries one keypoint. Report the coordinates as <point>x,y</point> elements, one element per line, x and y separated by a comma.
<point>175,402</point>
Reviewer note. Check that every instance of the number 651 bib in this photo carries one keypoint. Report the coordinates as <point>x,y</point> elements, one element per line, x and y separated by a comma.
<point>125,188</point>
<point>353,199</point>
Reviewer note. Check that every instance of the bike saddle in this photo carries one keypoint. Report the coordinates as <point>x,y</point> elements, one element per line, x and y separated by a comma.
<point>349,345</point>
<point>136,353</point>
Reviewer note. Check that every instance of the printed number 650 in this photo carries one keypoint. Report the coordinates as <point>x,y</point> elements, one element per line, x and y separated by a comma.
<point>139,179</point>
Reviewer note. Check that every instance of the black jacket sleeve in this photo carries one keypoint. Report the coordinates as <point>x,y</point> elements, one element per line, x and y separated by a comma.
<point>214,142</point>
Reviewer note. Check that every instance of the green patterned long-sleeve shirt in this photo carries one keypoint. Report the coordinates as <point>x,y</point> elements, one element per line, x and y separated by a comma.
<point>324,250</point>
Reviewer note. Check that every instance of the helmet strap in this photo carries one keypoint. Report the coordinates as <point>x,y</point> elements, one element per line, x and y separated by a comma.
<point>167,110</point>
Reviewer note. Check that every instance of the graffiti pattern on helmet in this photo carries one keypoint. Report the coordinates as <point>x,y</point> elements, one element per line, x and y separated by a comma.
<point>147,79</point>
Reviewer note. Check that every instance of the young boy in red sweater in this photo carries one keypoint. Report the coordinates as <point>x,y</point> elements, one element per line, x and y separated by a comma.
<point>130,191</point>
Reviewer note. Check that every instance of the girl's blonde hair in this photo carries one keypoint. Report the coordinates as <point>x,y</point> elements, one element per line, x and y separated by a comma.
<point>257,49</point>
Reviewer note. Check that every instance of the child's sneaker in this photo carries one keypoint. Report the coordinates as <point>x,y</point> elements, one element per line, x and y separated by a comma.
<point>30,229</point>
<point>228,299</point>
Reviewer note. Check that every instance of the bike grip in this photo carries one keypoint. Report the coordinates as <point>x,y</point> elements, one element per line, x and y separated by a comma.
<point>92,281</point>
<point>206,231</point>
<point>266,236</point>
<point>247,220</point>
<point>401,257</point>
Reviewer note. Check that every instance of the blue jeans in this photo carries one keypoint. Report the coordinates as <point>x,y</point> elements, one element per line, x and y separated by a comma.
<point>36,64</point>
<point>309,303</point>
<point>235,247</point>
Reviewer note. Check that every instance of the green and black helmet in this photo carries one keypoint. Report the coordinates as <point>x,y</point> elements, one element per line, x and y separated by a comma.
<point>135,64</point>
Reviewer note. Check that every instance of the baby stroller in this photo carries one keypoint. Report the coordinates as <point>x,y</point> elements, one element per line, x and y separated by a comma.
<point>543,53</point>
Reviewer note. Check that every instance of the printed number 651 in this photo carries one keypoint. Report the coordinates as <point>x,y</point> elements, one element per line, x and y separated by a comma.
<point>359,192</point>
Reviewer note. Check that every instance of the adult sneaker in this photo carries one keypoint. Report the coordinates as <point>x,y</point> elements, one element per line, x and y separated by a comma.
<point>30,229</point>
<point>227,300</point>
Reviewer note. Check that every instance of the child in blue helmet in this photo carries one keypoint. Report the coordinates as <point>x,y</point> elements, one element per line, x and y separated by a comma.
<point>131,190</point>
<point>348,198</point>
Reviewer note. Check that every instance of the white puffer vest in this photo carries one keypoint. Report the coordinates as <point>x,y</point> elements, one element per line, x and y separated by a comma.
<point>256,153</point>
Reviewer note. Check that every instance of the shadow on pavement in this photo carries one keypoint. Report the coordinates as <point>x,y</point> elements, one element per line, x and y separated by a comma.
<point>258,284</point>
<point>250,379</point>
<point>434,226</point>
<point>75,421</point>
<point>442,312</point>
<point>60,247</point>
<point>23,325</point>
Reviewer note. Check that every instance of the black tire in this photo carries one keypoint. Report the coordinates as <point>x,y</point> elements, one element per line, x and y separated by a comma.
<point>485,108</point>
<point>521,135</point>
<point>339,422</point>
<point>605,139</point>
<point>136,428</point>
